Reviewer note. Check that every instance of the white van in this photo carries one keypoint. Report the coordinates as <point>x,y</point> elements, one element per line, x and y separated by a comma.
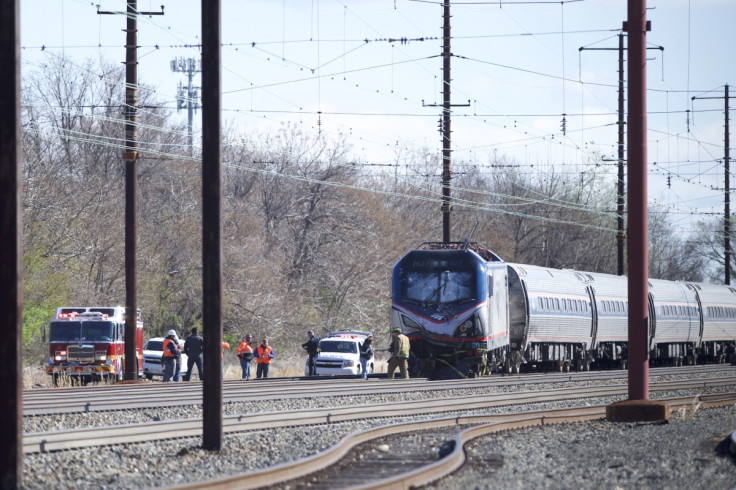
<point>339,354</point>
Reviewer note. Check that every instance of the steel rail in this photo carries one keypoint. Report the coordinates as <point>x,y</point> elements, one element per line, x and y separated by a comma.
<point>142,432</point>
<point>116,397</point>
<point>456,459</point>
<point>481,425</point>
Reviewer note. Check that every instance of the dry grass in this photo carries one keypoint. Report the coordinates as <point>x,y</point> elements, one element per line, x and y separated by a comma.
<point>688,412</point>
<point>35,377</point>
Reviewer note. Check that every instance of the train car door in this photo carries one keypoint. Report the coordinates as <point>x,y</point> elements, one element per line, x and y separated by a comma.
<point>593,317</point>
<point>498,316</point>
<point>652,323</point>
<point>701,315</point>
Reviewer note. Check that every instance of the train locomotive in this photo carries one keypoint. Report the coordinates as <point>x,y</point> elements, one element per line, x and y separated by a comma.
<point>468,313</point>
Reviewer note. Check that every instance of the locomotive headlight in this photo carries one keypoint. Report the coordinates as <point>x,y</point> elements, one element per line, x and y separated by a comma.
<point>466,329</point>
<point>409,323</point>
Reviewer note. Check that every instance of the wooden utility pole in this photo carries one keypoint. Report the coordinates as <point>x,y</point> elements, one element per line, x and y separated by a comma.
<point>727,211</point>
<point>446,131</point>
<point>445,123</point>
<point>620,203</point>
<point>131,184</point>
<point>726,187</point>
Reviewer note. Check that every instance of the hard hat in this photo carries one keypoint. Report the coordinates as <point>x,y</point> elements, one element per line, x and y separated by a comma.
<point>172,332</point>
<point>249,336</point>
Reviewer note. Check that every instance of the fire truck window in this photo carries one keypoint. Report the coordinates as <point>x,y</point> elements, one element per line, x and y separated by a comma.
<point>101,331</point>
<point>64,331</point>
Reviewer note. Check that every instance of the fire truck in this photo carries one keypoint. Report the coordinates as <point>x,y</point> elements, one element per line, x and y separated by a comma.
<point>87,343</point>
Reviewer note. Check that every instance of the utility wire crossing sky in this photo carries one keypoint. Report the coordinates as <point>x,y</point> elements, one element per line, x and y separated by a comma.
<point>534,84</point>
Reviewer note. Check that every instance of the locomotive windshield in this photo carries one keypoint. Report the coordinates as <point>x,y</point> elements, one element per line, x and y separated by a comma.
<point>90,331</point>
<point>439,279</point>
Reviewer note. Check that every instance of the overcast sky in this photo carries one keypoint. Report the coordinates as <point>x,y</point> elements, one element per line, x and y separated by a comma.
<point>340,67</point>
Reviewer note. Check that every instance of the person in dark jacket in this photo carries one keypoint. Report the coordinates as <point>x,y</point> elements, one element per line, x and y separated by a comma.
<point>366,353</point>
<point>193,348</point>
<point>312,347</point>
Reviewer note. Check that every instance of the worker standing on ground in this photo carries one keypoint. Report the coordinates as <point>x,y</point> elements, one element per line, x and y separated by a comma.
<point>312,347</point>
<point>399,354</point>
<point>264,354</point>
<point>245,354</point>
<point>171,352</point>
<point>366,352</point>
<point>193,349</point>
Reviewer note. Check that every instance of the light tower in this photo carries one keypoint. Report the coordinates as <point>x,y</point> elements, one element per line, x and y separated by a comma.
<point>187,96</point>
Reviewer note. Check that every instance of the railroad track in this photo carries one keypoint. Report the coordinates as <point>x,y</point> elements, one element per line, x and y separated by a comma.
<point>150,395</point>
<point>355,454</point>
<point>142,432</point>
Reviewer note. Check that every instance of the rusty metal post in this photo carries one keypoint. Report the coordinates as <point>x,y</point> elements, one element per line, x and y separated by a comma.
<point>11,251</point>
<point>638,277</point>
<point>211,227</point>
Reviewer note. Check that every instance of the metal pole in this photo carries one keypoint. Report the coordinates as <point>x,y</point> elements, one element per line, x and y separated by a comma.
<point>638,323</point>
<point>446,131</point>
<point>11,251</point>
<point>211,226</point>
<point>620,234</point>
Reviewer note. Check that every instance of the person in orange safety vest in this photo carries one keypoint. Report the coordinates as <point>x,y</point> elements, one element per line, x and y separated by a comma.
<point>170,354</point>
<point>264,354</point>
<point>245,354</point>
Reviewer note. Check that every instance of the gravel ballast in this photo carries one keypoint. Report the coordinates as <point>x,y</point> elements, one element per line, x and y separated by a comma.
<point>587,455</point>
<point>605,455</point>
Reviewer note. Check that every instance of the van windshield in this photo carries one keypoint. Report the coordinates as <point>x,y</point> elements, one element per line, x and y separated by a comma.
<point>338,346</point>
